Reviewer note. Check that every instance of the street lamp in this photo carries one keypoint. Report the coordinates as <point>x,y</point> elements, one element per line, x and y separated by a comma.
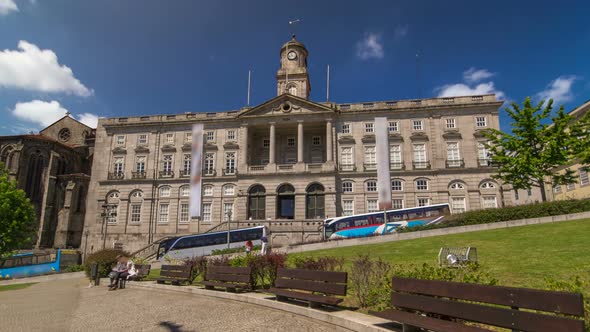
<point>86,233</point>
<point>228,226</point>
<point>107,212</point>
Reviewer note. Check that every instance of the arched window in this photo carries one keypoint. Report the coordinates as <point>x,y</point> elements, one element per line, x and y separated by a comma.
<point>112,207</point>
<point>257,203</point>
<point>185,191</point>
<point>208,190</point>
<point>487,185</point>
<point>136,202</point>
<point>314,201</point>
<point>292,90</point>
<point>81,202</point>
<point>165,191</point>
<point>457,186</point>
<point>229,190</point>
<point>35,176</point>
<point>286,202</point>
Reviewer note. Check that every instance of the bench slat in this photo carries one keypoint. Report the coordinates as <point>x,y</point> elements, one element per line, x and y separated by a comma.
<point>305,296</point>
<point>425,322</point>
<point>228,277</point>
<point>176,268</point>
<point>229,269</point>
<point>513,319</point>
<point>323,287</point>
<point>329,276</point>
<point>558,302</point>
<point>176,274</point>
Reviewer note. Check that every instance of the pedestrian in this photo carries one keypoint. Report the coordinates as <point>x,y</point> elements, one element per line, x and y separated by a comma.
<point>264,246</point>
<point>249,247</point>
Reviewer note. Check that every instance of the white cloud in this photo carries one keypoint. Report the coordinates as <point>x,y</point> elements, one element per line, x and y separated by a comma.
<point>473,75</point>
<point>7,6</point>
<point>370,47</point>
<point>461,89</point>
<point>40,112</point>
<point>89,119</point>
<point>31,68</point>
<point>560,90</point>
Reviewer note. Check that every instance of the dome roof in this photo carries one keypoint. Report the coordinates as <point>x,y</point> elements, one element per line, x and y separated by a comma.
<point>293,42</point>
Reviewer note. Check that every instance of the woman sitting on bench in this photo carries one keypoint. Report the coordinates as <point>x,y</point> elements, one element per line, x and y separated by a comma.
<point>127,270</point>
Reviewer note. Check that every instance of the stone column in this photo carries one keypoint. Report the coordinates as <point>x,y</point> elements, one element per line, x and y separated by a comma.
<point>300,141</point>
<point>271,154</point>
<point>244,145</point>
<point>329,140</point>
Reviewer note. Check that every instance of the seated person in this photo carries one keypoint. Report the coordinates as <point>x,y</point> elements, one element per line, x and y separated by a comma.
<point>116,271</point>
<point>127,271</point>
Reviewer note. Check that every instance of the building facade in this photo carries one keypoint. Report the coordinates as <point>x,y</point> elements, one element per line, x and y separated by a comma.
<point>53,168</point>
<point>288,163</point>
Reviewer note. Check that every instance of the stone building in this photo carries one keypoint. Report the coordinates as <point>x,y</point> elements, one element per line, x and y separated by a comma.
<point>287,163</point>
<point>53,168</point>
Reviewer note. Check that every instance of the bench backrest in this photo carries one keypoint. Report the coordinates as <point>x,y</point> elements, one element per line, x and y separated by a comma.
<point>143,270</point>
<point>440,297</point>
<point>229,274</point>
<point>176,271</point>
<point>312,280</point>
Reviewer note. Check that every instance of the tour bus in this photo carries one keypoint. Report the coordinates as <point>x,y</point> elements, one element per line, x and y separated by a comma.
<point>203,244</point>
<point>369,224</point>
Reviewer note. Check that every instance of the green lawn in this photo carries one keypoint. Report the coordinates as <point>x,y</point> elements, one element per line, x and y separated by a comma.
<point>15,286</point>
<point>518,256</point>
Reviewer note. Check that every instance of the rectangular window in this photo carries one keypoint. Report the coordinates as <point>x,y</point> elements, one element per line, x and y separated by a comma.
<point>458,204</point>
<point>169,139</point>
<point>316,140</point>
<point>369,127</point>
<point>165,191</point>
<point>346,128</point>
<point>417,125</point>
<point>453,156</point>
<point>209,163</point>
<point>347,207</point>
<point>118,165</point>
<point>140,165</point>
<point>228,190</point>
<point>483,154</point>
<point>397,204</point>
<point>451,123</point>
<point>230,163</point>
<point>210,136</point>
<point>185,191</point>
<point>120,140</point>
<point>228,208</point>
<point>142,139</point>
<point>420,156</point>
<point>570,186</point>
<point>489,202</point>
<point>188,137</point>
<point>423,201</point>
<point>480,121</point>
<point>370,157</point>
<point>557,188</point>
<point>346,161</point>
<point>186,164</point>
<point>291,141</point>
<point>135,213</point>
<point>266,143</point>
<point>111,212</point>
<point>396,185</point>
<point>583,177</point>
<point>208,191</point>
<point>346,187</point>
<point>207,212</point>
<point>183,213</point>
<point>395,156</point>
<point>167,163</point>
<point>372,205</point>
<point>372,186</point>
<point>422,184</point>
<point>163,217</point>
<point>231,135</point>
<point>393,127</point>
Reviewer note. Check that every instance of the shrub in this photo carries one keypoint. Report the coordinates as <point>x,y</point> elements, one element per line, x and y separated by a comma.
<point>74,268</point>
<point>536,210</point>
<point>105,258</point>
<point>233,250</point>
<point>326,263</point>
<point>198,264</point>
<point>576,284</point>
<point>264,267</point>
<point>140,261</point>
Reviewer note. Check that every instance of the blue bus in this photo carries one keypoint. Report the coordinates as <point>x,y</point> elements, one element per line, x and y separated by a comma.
<point>203,244</point>
<point>369,224</point>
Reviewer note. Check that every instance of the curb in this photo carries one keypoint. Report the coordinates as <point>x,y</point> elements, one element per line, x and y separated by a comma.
<point>346,319</point>
<point>45,278</point>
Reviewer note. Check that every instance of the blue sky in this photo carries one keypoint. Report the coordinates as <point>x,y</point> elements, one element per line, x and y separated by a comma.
<point>112,58</point>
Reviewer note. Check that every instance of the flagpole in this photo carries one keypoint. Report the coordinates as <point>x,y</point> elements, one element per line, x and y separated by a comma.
<point>249,73</point>
<point>328,85</point>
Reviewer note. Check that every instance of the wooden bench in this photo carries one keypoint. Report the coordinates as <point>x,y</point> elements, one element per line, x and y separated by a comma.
<point>229,277</point>
<point>175,274</point>
<point>440,306</point>
<point>303,285</point>
<point>142,272</point>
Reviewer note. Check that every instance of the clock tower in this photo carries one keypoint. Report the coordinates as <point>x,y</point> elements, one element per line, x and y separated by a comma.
<point>292,77</point>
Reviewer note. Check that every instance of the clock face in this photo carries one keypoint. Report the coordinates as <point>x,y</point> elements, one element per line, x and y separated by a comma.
<point>292,55</point>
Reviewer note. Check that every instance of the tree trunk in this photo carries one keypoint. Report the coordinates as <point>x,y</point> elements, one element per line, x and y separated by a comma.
<point>543,193</point>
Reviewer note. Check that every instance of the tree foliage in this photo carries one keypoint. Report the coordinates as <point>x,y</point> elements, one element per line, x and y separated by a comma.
<point>17,216</point>
<point>580,133</point>
<point>539,142</point>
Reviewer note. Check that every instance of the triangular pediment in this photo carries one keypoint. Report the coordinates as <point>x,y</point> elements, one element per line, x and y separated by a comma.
<point>286,104</point>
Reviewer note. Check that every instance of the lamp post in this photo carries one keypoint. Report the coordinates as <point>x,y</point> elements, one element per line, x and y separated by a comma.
<point>106,213</point>
<point>229,213</point>
<point>86,233</point>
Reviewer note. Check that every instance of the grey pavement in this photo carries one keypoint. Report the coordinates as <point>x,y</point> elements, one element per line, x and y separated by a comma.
<point>68,305</point>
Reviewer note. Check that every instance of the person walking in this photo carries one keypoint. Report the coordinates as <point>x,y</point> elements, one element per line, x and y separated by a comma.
<point>264,246</point>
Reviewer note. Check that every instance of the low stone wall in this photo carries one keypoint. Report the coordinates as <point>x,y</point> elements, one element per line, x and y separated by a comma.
<point>432,232</point>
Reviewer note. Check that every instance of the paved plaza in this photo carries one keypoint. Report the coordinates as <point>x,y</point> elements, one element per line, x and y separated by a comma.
<point>68,305</point>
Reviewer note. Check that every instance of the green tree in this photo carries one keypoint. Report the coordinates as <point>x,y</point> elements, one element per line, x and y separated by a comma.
<point>539,142</point>
<point>17,216</point>
<point>580,135</point>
